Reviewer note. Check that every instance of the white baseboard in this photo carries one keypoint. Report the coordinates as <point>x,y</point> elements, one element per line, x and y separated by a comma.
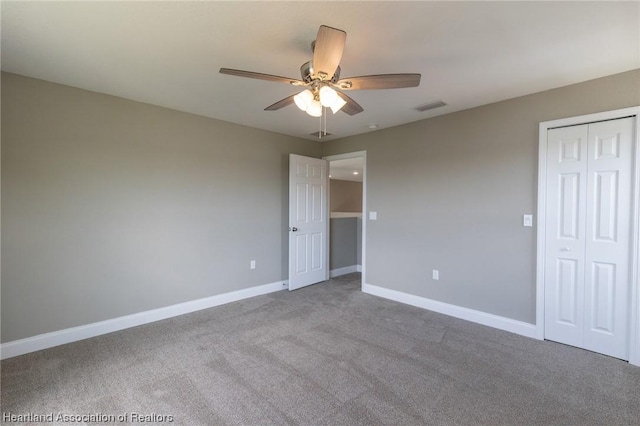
<point>344,271</point>
<point>61,337</point>
<point>495,321</point>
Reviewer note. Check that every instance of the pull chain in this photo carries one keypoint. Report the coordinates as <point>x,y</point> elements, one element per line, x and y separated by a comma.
<point>322,131</point>
<point>324,113</point>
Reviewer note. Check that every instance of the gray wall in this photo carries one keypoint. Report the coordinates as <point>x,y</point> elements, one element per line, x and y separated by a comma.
<point>344,243</point>
<point>346,233</point>
<point>450,193</point>
<point>111,207</point>
<point>346,196</point>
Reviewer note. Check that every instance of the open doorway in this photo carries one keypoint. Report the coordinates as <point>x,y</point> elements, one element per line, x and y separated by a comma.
<point>347,204</point>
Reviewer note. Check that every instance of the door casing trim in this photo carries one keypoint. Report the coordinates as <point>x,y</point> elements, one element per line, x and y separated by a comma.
<point>363,155</point>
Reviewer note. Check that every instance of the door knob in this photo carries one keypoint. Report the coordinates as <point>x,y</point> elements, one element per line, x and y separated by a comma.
<point>294,229</point>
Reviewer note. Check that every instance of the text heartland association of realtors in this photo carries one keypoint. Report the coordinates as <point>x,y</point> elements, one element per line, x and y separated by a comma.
<point>87,418</point>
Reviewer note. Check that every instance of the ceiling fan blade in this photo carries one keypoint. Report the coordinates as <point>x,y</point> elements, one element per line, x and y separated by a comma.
<point>327,50</point>
<point>351,107</point>
<point>382,81</point>
<point>259,76</point>
<point>281,103</point>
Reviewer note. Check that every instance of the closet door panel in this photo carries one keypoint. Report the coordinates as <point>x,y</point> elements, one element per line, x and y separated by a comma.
<point>608,220</point>
<point>565,234</point>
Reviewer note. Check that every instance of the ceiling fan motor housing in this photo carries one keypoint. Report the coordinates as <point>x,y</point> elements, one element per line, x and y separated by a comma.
<point>308,74</point>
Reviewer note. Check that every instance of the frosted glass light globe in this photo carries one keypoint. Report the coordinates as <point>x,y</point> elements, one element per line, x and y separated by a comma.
<point>303,99</point>
<point>315,109</point>
<point>328,96</point>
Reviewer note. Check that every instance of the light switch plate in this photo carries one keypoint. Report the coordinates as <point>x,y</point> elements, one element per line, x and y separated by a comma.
<point>527,220</point>
<point>373,215</point>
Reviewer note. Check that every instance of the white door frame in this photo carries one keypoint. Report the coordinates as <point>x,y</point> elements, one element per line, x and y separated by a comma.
<point>363,155</point>
<point>634,302</point>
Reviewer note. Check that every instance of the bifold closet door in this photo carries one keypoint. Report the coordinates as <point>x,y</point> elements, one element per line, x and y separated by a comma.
<point>589,172</point>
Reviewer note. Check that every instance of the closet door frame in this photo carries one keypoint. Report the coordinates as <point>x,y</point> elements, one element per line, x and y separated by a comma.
<point>634,302</point>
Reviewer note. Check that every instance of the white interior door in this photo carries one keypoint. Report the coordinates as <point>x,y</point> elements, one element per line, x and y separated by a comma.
<point>565,251</point>
<point>608,243</point>
<point>588,245</point>
<point>308,221</point>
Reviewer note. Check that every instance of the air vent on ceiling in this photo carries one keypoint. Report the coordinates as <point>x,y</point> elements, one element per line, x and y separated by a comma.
<point>430,105</point>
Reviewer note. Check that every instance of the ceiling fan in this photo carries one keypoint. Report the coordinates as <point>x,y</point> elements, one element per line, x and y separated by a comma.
<point>321,78</point>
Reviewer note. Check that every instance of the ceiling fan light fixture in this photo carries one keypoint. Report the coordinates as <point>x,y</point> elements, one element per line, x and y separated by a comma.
<point>303,99</point>
<point>338,104</point>
<point>328,96</point>
<point>315,109</point>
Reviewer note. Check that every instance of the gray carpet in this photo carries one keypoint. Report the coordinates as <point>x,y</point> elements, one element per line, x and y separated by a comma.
<point>323,355</point>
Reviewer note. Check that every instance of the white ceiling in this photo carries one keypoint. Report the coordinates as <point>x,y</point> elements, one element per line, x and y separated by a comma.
<point>169,53</point>
<point>347,169</point>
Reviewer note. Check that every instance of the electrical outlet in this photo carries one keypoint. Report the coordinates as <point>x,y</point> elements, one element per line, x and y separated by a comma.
<point>252,265</point>
<point>435,274</point>
<point>527,220</point>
